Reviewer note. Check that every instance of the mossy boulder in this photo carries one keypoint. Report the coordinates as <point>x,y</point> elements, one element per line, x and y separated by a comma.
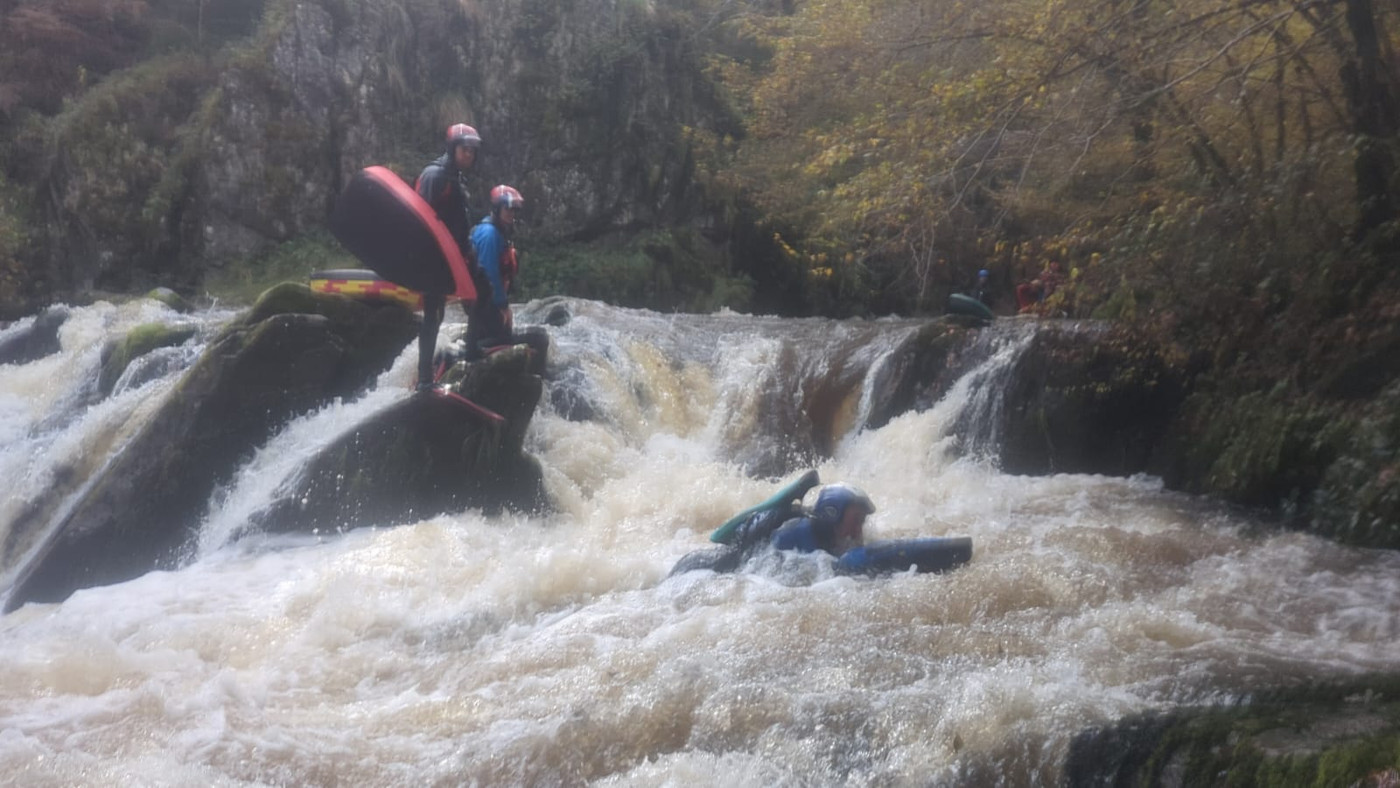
<point>1331,735</point>
<point>293,352</point>
<point>118,355</point>
<point>1327,466</point>
<point>427,454</point>
<point>374,333</point>
<point>171,299</point>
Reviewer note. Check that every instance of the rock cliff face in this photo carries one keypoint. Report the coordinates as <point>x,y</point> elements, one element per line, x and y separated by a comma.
<point>1087,398</point>
<point>586,106</point>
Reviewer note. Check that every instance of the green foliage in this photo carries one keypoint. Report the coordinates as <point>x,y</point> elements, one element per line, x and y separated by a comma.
<point>922,139</point>
<point>114,162</point>
<point>1121,305</point>
<point>1265,449</point>
<point>17,268</point>
<point>242,282</point>
<point>659,270</point>
<point>1359,498</point>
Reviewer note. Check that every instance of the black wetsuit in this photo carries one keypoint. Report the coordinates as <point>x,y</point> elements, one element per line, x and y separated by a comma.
<point>443,186</point>
<point>982,291</point>
<point>751,538</point>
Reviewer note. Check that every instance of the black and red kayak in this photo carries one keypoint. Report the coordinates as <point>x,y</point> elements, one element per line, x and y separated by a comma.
<point>391,229</point>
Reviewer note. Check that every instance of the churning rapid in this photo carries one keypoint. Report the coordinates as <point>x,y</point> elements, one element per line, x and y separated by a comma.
<point>553,649</point>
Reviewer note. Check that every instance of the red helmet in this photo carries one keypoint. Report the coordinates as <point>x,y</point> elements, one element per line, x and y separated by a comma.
<point>462,134</point>
<point>504,196</point>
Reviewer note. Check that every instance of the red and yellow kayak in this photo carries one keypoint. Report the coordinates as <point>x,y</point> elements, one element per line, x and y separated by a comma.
<point>366,285</point>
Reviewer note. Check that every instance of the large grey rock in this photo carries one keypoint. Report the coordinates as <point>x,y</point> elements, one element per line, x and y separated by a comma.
<point>292,352</point>
<point>425,455</point>
<point>36,340</point>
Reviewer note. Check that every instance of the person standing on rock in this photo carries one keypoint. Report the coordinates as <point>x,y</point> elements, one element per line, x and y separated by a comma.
<point>442,185</point>
<point>491,323</point>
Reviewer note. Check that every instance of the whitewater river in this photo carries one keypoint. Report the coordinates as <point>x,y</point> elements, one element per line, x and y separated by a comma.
<point>553,650</point>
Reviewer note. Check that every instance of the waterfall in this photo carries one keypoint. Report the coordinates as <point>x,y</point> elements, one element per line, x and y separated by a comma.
<point>57,433</point>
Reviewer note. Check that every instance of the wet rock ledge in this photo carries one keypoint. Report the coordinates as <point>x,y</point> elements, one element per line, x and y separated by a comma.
<point>293,352</point>
<point>1326,735</point>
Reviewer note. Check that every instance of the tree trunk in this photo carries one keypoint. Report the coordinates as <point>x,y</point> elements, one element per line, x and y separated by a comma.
<point>1375,120</point>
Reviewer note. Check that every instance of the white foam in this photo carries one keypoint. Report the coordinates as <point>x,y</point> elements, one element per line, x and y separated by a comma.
<point>553,648</point>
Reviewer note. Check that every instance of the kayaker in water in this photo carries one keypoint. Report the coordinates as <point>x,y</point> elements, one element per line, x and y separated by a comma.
<point>835,525</point>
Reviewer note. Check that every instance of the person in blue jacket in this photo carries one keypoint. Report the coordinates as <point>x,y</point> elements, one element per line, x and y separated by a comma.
<point>491,323</point>
<point>835,525</point>
<point>442,184</point>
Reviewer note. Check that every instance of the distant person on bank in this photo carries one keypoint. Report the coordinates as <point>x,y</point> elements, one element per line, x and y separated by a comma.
<point>1031,295</point>
<point>982,291</point>
<point>442,185</point>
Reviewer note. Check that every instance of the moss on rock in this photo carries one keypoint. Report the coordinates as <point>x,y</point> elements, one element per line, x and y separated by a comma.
<point>1358,501</point>
<point>171,299</point>
<point>1326,735</point>
<point>1265,449</point>
<point>373,330</point>
<point>139,341</point>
